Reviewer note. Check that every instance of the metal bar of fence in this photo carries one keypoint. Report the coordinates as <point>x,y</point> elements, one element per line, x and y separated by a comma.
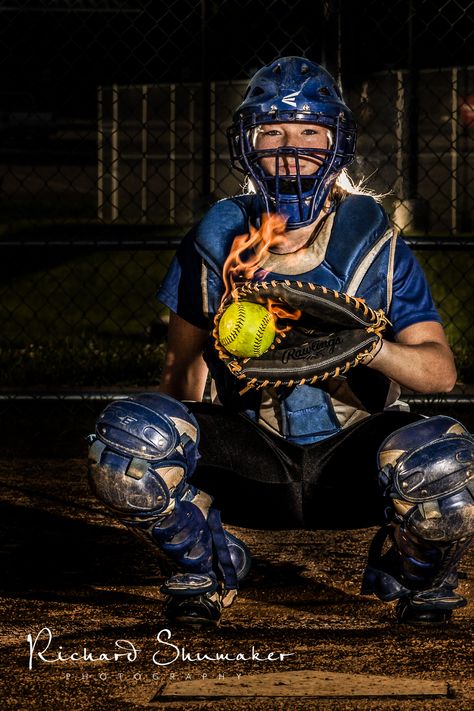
<point>438,243</point>
<point>120,394</point>
<point>132,244</point>
<point>165,242</point>
<point>440,399</point>
<point>69,397</point>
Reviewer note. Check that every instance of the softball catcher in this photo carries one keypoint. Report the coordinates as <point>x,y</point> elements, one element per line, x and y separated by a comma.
<point>312,433</point>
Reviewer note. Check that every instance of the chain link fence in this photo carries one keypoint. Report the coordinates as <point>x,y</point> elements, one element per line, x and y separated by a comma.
<point>112,143</point>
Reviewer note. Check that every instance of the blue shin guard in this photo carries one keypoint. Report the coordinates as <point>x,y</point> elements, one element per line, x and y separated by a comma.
<point>427,476</point>
<point>141,458</point>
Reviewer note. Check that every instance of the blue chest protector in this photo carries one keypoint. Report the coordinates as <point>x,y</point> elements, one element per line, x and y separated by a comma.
<point>357,261</point>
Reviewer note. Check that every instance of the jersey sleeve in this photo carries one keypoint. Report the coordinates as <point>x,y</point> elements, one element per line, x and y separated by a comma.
<point>411,299</point>
<point>181,289</point>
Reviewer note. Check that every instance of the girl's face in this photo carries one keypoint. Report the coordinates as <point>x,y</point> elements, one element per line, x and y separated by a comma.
<point>291,135</point>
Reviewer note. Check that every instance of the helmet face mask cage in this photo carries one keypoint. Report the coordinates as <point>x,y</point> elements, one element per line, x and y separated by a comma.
<point>299,196</point>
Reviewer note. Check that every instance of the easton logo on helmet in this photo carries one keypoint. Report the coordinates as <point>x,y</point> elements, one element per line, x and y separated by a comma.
<point>290,98</point>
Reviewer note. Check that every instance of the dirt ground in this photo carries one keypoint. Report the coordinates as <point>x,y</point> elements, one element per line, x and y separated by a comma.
<point>67,567</point>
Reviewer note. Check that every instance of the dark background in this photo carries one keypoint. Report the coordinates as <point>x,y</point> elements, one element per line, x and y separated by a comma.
<point>60,51</point>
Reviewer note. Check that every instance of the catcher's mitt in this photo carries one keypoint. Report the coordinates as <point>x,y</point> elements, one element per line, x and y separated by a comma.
<point>334,332</point>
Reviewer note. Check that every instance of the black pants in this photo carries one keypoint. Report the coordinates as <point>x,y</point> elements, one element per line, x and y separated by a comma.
<point>259,480</point>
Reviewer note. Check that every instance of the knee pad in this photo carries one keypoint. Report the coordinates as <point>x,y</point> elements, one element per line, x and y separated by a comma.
<point>427,477</point>
<point>143,451</point>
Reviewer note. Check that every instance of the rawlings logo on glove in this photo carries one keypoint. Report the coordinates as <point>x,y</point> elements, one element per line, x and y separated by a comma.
<point>312,350</point>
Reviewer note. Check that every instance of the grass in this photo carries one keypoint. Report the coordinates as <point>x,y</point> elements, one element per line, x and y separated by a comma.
<point>450,278</point>
<point>99,293</point>
<point>90,320</point>
<point>76,362</point>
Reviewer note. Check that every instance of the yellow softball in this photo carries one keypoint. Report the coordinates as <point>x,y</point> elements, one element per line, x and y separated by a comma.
<point>246,329</point>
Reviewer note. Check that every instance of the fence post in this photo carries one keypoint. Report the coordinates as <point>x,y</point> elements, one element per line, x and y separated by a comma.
<point>144,156</point>
<point>100,153</point>
<point>465,218</point>
<point>206,99</point>
<point>172,156</point>
<point>115,155</point>
<point>453,149</point>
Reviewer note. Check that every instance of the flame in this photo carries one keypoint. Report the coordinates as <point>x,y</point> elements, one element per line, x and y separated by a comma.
<point>278,311</point>
<point>246,256</point>
<point>260,241</point>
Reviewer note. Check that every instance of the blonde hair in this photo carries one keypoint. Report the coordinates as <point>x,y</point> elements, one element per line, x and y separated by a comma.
<point>344,185</point>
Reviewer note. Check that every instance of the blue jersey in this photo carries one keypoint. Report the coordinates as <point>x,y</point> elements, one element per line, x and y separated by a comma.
<point>358,252</point>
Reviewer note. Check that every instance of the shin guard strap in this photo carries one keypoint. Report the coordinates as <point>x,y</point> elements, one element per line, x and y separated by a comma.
<point>222,551</point>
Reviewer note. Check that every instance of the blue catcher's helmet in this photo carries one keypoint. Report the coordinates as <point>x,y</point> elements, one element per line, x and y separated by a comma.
<point>293,89</point>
